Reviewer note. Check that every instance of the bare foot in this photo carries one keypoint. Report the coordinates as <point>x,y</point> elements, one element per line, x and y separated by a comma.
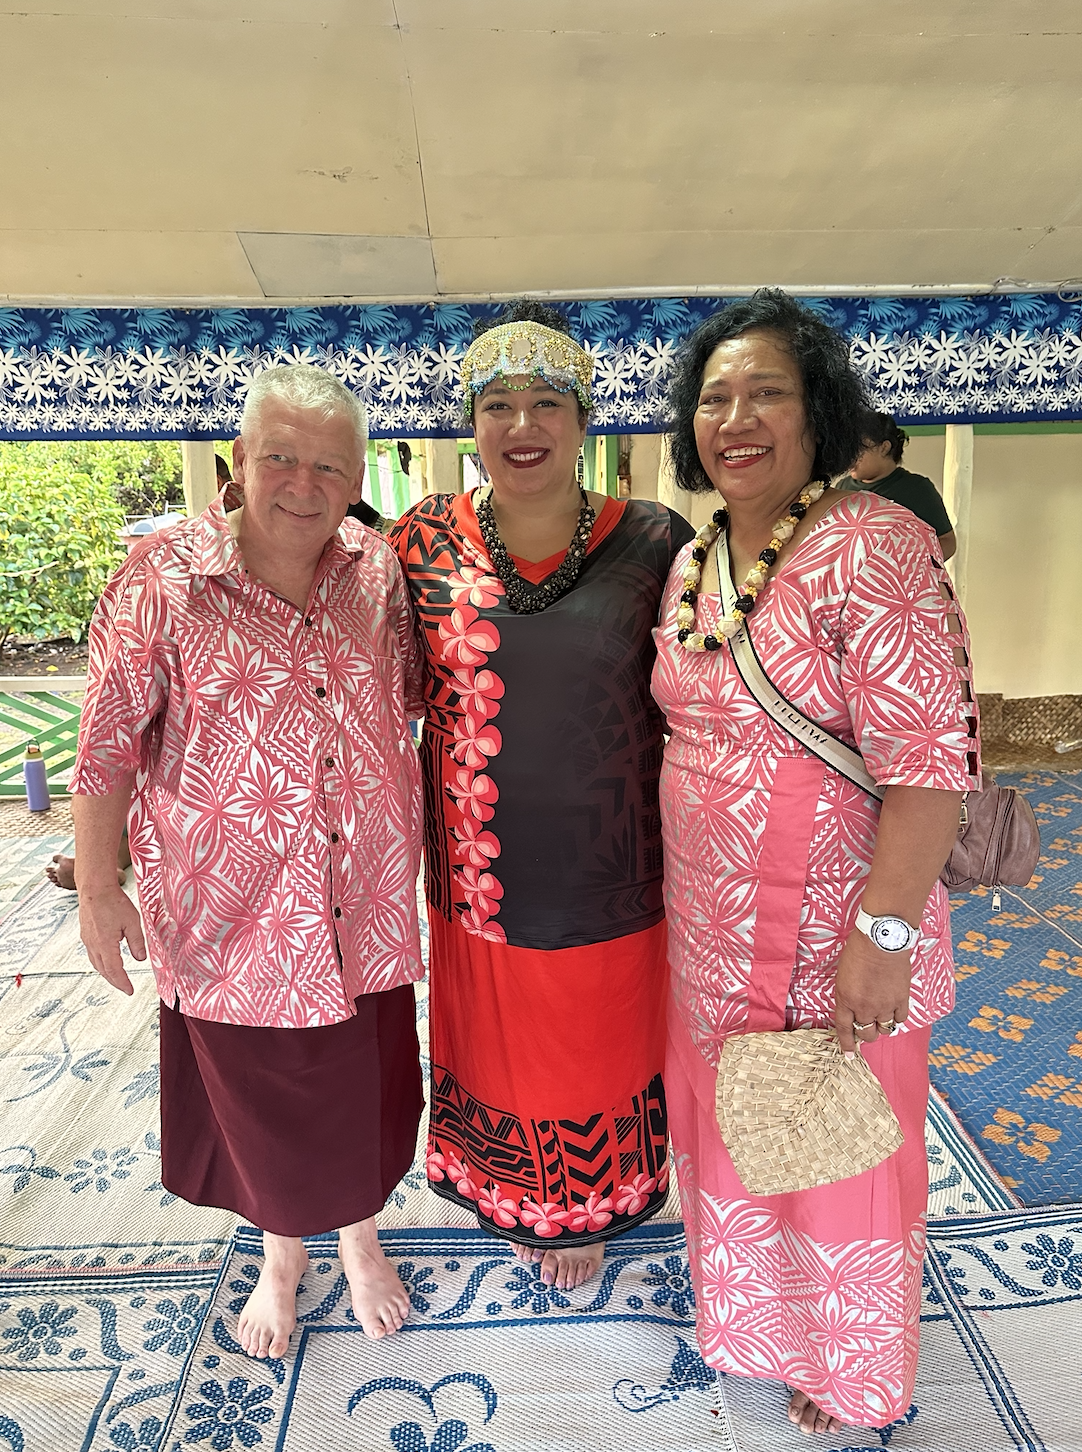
<point>810,1418</point>
<point>61,872</point>
<point>270,1314</point>
<point>381,1302</point>
<point>528,1253</point>
<point>566,1269</point>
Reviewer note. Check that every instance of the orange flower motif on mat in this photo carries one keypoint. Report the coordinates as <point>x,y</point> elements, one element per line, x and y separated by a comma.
<point>1010,1026</point>
<point>960,1059</point>
<point>974,942</point>
<point>1049,1087</point>
<point>1075,1049</point>
<point>1038,992</point>
<point>1056,960</point>
<point>1033,1140</point>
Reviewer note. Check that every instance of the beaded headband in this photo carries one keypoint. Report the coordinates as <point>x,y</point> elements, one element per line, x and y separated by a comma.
<point>531,350</point>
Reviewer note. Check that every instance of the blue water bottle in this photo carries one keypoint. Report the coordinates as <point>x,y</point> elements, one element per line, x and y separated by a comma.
<point>37,783</point>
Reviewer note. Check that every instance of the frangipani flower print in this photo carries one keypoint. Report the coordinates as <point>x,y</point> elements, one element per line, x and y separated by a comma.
<point>472,586</point>
<point>498,1206</point>
<point>468,640</point>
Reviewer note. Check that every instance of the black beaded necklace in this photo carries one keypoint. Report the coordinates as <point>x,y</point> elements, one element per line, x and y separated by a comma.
<point>522,597</point>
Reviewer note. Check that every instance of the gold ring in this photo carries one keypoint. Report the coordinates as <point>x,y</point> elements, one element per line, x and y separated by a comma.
<point>885,1027</point>
<point>863,1028</point>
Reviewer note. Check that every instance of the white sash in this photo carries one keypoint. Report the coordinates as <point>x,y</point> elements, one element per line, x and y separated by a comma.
<point>818,740</point>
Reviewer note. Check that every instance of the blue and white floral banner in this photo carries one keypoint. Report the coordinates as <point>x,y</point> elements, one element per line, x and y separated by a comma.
<point>182,372</point>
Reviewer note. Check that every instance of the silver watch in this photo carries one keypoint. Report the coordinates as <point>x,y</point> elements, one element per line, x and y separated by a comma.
<point>893,935</point>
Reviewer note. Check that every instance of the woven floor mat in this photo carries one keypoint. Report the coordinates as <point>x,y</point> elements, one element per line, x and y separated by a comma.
<point>1009,1059</point>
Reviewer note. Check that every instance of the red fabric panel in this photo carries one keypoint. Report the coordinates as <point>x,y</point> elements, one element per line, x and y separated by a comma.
<point>548,1034</point>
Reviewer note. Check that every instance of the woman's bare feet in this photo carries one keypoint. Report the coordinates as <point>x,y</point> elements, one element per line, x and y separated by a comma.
<point>567,1268</point>
<point>528,1253</point>
<point>61,872</point>
<point>381,1302</point>
<point>810,1418</point>
<point>270,1314</point>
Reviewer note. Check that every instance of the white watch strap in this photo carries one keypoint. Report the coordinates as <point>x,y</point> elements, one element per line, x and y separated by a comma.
<point>865,923</point>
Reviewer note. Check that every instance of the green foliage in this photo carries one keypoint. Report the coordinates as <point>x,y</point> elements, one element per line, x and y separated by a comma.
<point>59,517</point>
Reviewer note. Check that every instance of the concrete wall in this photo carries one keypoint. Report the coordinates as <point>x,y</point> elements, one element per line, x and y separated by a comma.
<point>1024,601</point>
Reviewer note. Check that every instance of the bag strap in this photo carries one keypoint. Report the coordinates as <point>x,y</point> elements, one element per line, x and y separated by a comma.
<point>817,739</point>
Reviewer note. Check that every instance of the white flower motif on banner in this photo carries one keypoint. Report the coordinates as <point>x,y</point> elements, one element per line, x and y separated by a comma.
<point>82,372</point>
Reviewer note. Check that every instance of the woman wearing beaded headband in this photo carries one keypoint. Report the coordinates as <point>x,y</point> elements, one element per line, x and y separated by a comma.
<point>541,755</point>
<point>770,854</point>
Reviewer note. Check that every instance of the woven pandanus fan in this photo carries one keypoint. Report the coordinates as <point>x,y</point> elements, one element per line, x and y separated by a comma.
<point>794,1112</point>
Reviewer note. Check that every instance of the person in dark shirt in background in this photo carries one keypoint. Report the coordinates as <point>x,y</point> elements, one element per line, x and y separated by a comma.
<point>878,468</point>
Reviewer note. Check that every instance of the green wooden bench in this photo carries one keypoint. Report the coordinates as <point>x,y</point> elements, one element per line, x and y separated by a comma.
<point>37,708</point>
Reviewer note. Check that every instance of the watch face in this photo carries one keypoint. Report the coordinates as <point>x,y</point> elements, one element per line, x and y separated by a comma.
<point>891,934</point>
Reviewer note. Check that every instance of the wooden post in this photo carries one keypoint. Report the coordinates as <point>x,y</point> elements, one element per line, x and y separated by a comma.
<point>645,465</point>
<point>200,475</point>
<point>444,474</point>
<point>957,496</point>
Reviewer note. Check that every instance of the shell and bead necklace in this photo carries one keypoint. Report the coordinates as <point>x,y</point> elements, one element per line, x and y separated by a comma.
<point>754,580</point>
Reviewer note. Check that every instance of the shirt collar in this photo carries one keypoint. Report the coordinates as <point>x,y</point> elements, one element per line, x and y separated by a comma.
<point>215,550</point>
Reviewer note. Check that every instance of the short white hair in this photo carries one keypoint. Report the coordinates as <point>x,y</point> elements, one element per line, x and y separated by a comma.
<point>305,386</point>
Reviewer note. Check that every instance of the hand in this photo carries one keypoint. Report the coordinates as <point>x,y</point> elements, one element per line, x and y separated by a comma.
<point>108,916</point>
<point>870,987</point>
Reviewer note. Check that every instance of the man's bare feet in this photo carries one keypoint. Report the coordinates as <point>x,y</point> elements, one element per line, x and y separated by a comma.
<point>270,1314</point>
<point>381,1302</point>
<point>567,1268</point>
<point>810,1418</point>
<point>61,872</point>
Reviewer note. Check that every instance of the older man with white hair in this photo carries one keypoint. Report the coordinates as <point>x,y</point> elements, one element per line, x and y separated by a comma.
<point>251,679</point>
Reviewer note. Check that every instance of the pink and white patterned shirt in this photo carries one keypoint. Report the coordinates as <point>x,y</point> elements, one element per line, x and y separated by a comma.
<point>276,819</point>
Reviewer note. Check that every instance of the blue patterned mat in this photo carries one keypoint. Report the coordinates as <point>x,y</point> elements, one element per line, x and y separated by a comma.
<point>1009,1059</point>
<point>493,1361</point>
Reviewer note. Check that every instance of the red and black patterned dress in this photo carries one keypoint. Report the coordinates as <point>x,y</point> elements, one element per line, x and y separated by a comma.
<point>541,755</point>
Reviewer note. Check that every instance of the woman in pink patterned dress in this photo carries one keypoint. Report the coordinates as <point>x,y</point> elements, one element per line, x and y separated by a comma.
<point>769,854</point>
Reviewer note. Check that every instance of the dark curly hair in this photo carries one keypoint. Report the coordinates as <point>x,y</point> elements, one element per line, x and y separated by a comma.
<point>527,310</point>
<point>834,394</point>
<point>880,428</point>
<point>524,310</point>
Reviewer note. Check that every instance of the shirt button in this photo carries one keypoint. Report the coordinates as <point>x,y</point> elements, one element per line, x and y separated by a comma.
<point>338,912</point>
<point>320,692</point>
<point>308,621</point>
<point>329,761</point>
<point>334,836</point>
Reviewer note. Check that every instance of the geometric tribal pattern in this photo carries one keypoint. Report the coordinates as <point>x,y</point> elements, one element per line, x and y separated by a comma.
<point>581,1182</point>
<point>182,373</point>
